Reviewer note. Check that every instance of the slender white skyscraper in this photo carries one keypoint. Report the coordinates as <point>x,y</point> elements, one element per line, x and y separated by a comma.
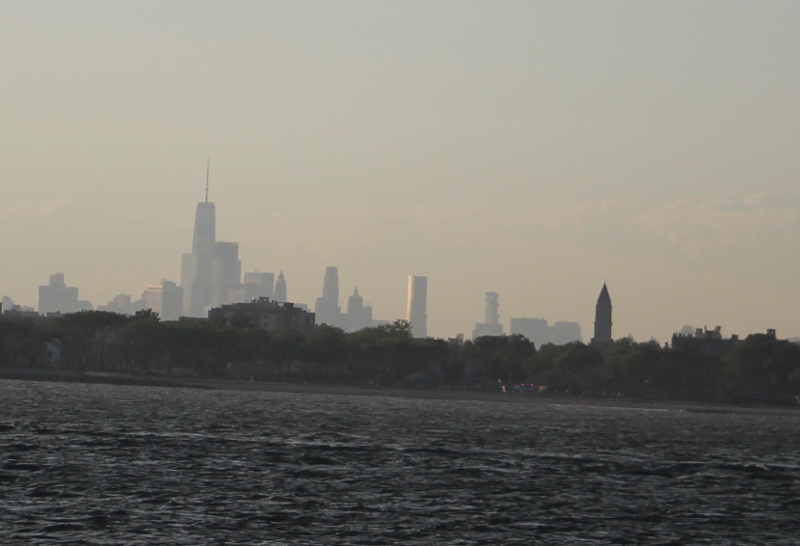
<point>417,305</point>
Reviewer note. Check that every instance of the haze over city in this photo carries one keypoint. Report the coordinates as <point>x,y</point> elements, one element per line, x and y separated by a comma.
<point>531,149</point>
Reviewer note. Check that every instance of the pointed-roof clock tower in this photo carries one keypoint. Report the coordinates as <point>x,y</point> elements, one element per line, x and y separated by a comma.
<point>602,318</point>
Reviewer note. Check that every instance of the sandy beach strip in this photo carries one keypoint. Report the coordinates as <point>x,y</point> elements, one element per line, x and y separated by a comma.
<point>503,398</point>
<point>393,392</point>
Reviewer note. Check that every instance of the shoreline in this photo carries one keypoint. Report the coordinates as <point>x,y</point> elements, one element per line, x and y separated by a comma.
<point>393,392</point>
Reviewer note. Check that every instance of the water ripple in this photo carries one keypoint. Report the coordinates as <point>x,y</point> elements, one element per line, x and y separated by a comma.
<point>102,464</point>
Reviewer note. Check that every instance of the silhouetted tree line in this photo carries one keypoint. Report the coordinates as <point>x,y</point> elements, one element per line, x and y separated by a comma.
<point>387,355</point>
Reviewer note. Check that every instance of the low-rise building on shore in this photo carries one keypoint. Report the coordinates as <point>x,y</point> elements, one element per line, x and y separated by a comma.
<point>264,313</point>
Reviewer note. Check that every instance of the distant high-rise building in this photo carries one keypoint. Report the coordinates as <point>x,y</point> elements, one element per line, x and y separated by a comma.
<point>153,297</point>
<point>417,305</point>
<point>226,273</point>
<point>211,273</point>
<point>602,318</point>
<point>57,297</point>
<point>535,329</point>
<point>205,228</point>
<point>492,307</point>
<point>123,305</point>
<point>166,299</point>
<point>330,285</point>
<point>326,309</point>
<point>196,266</point>
<point>540,332</point>
<point>491,325</point>
<point>280,288</point>
<point>564,332</point>
<point>359,316</point>
<point>259,285</point>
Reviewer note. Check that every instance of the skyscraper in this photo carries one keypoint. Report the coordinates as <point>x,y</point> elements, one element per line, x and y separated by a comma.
<point>491,325</point>
<point>196,266</point>
<point>211,273</point>
<point>280,288</point>
<point>535,329</point>
<point>258,284</point>
<point>417,305</point>
<point>327,308</point>
<point>123,304</point>
<point>602,318</point>
<point>57,297</point>
<point>205,228</point>
<point>226,273</point>
<point>539,332</point>
<point>492,305</point>
<point>564,332</point>
<point>359,316</point>
<point>166,299</point>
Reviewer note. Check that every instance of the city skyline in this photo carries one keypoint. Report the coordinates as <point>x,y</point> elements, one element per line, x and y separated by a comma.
<point>212,284</point>
<point>532,149</point>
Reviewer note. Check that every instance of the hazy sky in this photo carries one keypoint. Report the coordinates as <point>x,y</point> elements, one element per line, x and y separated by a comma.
<point>529,148</point>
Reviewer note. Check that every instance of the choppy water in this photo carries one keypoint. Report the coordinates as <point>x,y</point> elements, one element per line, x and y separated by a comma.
<point>103,464</point>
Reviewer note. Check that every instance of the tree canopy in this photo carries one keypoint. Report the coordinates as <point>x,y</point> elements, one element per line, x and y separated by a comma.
<point>388,355</point>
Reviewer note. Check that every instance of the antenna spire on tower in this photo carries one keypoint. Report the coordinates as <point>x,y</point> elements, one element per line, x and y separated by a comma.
<point>208,171</point>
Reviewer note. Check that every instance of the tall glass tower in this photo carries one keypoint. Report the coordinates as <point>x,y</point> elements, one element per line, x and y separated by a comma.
<point>196,277</point>
<point>417,305</point>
